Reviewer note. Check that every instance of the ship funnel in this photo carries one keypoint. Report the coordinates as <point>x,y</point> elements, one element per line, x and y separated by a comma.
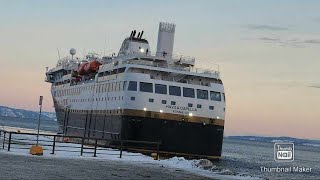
<point>131,33</point>
<point>141,35</point>
<point>134,33</point>
<point>138,35</point>
<point>165,39</point>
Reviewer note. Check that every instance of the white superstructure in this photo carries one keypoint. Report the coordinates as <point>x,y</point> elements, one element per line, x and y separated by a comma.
<point>140,80</point>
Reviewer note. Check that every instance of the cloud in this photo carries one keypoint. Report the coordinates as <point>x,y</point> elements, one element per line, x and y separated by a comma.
<point>264,27</point>
<point>314,86</point>
<point>290,42</point>
<point>312,41</point>
<point>269,39</point>
<point>274,34</point>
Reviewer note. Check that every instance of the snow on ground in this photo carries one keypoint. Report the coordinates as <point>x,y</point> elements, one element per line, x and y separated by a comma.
<point>72,150</point>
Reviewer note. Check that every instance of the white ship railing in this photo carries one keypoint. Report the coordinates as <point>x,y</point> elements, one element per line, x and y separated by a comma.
<point>180,62</point>
<point>179,68</point>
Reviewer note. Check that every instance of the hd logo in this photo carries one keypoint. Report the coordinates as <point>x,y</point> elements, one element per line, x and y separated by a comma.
<point>283,152</point>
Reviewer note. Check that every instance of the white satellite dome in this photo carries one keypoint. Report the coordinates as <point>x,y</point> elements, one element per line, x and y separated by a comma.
<point>73,51</point>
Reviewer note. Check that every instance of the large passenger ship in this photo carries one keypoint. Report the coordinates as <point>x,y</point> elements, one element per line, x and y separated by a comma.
<point>141,95</point>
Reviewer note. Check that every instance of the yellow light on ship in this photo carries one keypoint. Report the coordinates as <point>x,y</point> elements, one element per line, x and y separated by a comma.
<point>218,117</point>
<point>190,114</point>
<point>161,110</point>
<point>142,50</point>
<point>144,109</point>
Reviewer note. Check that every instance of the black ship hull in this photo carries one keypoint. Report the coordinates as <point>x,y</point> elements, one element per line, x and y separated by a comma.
<point>176,137</point>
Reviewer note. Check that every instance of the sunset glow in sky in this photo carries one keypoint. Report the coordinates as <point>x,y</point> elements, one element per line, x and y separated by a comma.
<point>268,52</point>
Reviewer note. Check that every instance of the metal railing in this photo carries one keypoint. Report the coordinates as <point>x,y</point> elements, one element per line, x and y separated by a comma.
<point>174,67</point>
<point>55,143</point>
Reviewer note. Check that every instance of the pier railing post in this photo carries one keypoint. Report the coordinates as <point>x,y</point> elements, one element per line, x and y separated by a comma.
<point>4,139</point>
<point>121,147</point>
<point>95,148</point>
<point>54,144</point>
<point>82,142</point>
<point>158,156</point>
<point>9,143</point>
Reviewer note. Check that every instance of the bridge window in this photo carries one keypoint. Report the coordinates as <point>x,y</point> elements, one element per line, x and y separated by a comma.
<point>190,104</point>
<point>160,89</point>
<point>224,97</point>
<point>211,107</point>
<point>174,90</point>
<point>132,86</point>
<point>146,87</point>
<point>151,100</point>
<point>215,96</point>
<point>173,103</point>
<point>199,106</point>
<point>164,102</point>
<point>202,94</point>
<point>121,70</point>
<point>188,92</point>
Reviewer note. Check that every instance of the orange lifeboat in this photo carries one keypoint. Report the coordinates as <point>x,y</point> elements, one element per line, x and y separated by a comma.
<point>81,70</point>
<point>92,67</point>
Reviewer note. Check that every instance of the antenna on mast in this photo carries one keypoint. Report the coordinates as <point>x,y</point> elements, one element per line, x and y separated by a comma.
<point>58,53</point>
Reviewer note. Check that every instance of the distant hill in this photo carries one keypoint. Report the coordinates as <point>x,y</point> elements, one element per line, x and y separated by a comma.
<point>21,113</point>
<point>305,142</point>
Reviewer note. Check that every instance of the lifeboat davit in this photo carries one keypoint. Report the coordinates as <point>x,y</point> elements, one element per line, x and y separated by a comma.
<point>92,67</point>
<point>81,70</point>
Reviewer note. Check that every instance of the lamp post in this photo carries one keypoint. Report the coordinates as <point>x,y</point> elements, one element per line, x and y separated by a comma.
<point>36,149</point>
<point>40,104</point>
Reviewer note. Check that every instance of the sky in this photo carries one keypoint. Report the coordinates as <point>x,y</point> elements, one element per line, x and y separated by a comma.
<point>267,51</point>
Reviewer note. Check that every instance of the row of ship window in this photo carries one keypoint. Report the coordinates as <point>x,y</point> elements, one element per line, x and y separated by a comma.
<point>145,87</point>
<point>175,91</point>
